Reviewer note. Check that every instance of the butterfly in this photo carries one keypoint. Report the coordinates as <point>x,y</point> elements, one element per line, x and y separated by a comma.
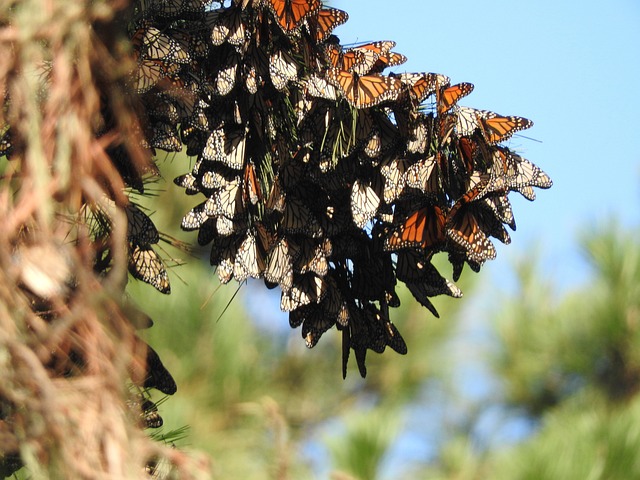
<point>194,218</point>
<point>297,218</point>
<point>464,229</point>
<point>149,72</point>
<point>227,202</point>
<point>520,172</point>
<point>251,187</point>
<point>226,77</point>
<point>421,85</point>
<point>151,43</point>
<point>227,25</point>
<point>435,285</point>
<point>283,69</point>
<point>146,265</point>
<point>365,200</point>
<point>424,228</point>
<point>447,97</point>
<point>495,128</point>
<point>306,289</point>
<point>321,25</point>
<point>390,59</point>
<point>312,256</point>
<point>165,137</point>
<point>365,91</point>
<point>140,228</point>
<point>249,260</point>
<point>359,60</point>
<point>291,13</point>
<point>393,170</point>
<point>423,175</point>
<point>279,269</point>
<point>226,146</point>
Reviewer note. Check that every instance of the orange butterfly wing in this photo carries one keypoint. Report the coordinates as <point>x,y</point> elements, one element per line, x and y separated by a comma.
<point>326,20</point>
<point>365,91</point>
<point>498,128</point>
<point>449,96</point>
<point>424,228</point>
<point>291,13</point>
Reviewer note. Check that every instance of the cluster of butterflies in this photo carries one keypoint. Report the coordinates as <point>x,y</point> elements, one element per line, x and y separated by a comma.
<point>316,171</point>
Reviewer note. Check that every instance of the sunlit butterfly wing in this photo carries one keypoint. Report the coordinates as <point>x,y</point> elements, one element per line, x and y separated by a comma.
<point>291,13</point>
<point>146,265</point>
<point>249,261</point>
<point>423,228</point>
<point>365,201</point>
<point>464,230</point>
<point>306,289</point>
<point>365,91</point>
<point>447,97</point>
<point>283,69</point>
<point>322,24</point>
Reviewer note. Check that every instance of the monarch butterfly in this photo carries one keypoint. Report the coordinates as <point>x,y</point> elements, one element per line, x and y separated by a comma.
<point>447,97</point>
<point>207,232</point>
<point>359,60</point>
<point>249,261</point>
<point>319,87</point>
<point>390,59</point>
<point>291,13</point>
<point>424,228</point>
<point>383,137</point>
<point>251,187</point>
<point>495,128</point>
<point>321,25</point>
<point>194,218</point>
<point>365,200</point>
<point>140,228</point>
<point>365,91</point>
<point>166,137</point>
<point>223,254</point>
<point>212,179</point>
<point>151,43</point>
<point>424,289</point>
<point>227,201</point>
<point>227,146</point>
<point>393,170</point>
<point>423,176</point>
<point>297,218</point>
<point>314,324</point>
<point>158,376</point>
<point>501,208</point>
<point>413,266</point>
<point>226,78</point>
<point>146,265</point>
<point>520,172</point>
<point>227,25</point>
<point>279,269</point>
<point>464,230</point>
<point>149,72</point>
<point>313,256</point>
<point>283,69</point>
<point>421,85</point>
<point>227,226</point>
<point>306,289</point>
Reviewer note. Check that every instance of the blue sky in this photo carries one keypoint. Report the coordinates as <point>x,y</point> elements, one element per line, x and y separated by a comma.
<point>571,67</point>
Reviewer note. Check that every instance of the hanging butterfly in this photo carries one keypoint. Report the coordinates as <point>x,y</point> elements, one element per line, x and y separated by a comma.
<point>279,269</point>
<point>249,261</point>
<point>140,228</point>
<point>150,43</point>
<point>291,13</point>
<point>365,91</point>
<point>283,69</point>
<point>297,218</point>
<point>447,97</point>
<point>322,24</point>
<point>306,289</point>
<point>424,228</point>
<point>226,77</point>
<point>359,60</point>
<point>146,265</point>
<point>365,200</point>
<point>421,85</point>
<point>495,128</point>
<point>227,25</point>
<point>390,59</point>
<point>465,231</point>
